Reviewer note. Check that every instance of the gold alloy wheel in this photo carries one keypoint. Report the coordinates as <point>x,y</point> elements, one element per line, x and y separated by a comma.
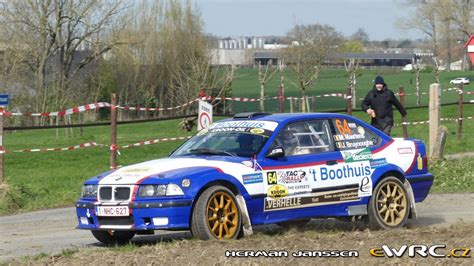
<point>391,203</point>
<point>222,215</point>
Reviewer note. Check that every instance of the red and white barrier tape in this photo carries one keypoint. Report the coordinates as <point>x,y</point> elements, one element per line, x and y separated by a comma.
<point>94,144</point>
<point>152,141</point>
<point>93,106</point>
<point>69,111</point>
<point>427,122</point>
<point>71,148</point>
<point>155,109</point>
<point>235,99</point>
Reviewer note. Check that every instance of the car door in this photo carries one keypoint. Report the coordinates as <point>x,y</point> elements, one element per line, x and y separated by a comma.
<point>355,143</point>
<point>327,168</point>
<point>289,181</point>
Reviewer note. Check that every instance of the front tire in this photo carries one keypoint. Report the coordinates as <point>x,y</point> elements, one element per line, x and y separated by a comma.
<point>216,215</point>
<point>111,237</point>
<point>389,206</point>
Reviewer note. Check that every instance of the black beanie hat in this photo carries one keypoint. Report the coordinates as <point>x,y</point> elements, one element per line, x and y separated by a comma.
<point>379,80</point>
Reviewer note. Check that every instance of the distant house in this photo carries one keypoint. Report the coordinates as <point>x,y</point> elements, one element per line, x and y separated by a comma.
<point>376,58</point>
<point>266,57</point>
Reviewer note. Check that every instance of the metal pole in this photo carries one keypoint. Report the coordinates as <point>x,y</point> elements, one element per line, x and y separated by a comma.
<point>460,91</point>
<point>113,130</point>
<point>401,94</point>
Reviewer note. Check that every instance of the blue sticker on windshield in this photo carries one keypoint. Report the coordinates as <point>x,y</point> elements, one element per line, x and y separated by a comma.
<point>252,178</point>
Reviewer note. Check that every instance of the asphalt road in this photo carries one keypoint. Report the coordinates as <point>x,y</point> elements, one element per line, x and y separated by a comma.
<point>51,231</point>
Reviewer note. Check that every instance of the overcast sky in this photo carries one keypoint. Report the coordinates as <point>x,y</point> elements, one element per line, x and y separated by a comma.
<point>276,17</point>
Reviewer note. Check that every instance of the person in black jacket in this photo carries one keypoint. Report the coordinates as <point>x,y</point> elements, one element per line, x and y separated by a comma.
<point>378,105</point>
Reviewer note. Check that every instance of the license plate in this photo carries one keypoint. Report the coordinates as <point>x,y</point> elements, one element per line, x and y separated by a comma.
<point>113,211</point>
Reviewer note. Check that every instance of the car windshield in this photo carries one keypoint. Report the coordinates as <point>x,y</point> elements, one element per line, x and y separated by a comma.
<point>234,138</point>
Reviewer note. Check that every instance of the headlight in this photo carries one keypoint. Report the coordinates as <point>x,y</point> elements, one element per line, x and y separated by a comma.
<point>160,190</point>
<point>89,191</point>
<point>147,191</point>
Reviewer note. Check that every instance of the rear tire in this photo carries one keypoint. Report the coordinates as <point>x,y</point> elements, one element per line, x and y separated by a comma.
<point>111,237</point>
<point>216,215</point>
<point>389,206</point>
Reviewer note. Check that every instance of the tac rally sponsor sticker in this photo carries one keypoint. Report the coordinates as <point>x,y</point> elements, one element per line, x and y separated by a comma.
<point>252,178</point>
<point>291,176</point>
<point>296,181</point>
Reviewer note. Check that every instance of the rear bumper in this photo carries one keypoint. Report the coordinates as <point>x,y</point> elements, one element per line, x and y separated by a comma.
<point>421,185</point>
<point>150,215</point>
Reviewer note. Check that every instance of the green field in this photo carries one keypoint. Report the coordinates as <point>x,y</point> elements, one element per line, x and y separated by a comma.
<point>336,80</point>
<point>53,179</point>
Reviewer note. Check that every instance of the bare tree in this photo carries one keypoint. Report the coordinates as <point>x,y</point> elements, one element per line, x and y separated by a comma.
<point>263,77</point>
<point>463,17</point>
<point>360,35</point>
<point>312,44</point>
<point>50,33</point>
<point>352,65</point>
<point>166,58</point>
<point>445,22</point>
<point>423,19</point>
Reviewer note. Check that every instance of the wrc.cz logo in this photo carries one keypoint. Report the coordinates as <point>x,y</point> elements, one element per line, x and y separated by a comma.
<point>436,251</point>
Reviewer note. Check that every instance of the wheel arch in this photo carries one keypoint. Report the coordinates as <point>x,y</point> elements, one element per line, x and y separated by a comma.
<point>218,182</point>
<point>390,170</point>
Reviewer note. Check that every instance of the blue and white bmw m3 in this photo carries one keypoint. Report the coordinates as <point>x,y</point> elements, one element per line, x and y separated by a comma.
<point>257,169</point>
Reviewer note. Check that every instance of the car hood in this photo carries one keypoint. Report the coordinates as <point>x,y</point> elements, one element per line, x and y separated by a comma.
<point>136,173</point>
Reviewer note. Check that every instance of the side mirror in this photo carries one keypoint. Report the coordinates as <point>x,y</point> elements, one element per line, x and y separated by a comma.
<point>276,152</point>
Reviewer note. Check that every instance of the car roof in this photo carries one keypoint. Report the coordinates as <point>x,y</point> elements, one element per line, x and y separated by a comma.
<point>289,117</point>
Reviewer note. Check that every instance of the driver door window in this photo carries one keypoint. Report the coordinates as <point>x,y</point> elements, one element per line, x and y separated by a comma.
<point>305,137</point>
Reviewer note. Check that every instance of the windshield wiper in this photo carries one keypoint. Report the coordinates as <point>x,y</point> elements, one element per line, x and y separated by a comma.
<point>212,151</point>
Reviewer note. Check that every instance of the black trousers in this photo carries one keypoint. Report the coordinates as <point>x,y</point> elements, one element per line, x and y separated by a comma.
<point>384,125</point>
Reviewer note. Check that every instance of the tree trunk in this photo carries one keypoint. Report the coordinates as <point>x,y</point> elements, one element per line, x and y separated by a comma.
<point>418,70</point>
<point>262,96</point>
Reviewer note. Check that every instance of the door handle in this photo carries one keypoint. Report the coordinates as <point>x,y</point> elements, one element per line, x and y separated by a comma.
<point>333,162</point>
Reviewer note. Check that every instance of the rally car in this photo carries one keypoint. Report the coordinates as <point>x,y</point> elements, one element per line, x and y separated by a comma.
<point>258,168</point>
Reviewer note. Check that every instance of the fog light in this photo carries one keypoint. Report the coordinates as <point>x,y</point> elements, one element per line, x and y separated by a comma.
<point>84,220</point>
<point>160,220</point>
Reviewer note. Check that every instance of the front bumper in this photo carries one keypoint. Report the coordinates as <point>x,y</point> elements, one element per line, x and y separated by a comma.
<point>144,215</point>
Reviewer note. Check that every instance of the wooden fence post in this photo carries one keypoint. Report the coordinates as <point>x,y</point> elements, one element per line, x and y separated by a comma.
<point>291,104</point>
<point>460,91</point>
<point>435,92</point>
<point>349,101</point>
<point>401,94</point>
<point>113,131</point>
<point>281,100</point>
